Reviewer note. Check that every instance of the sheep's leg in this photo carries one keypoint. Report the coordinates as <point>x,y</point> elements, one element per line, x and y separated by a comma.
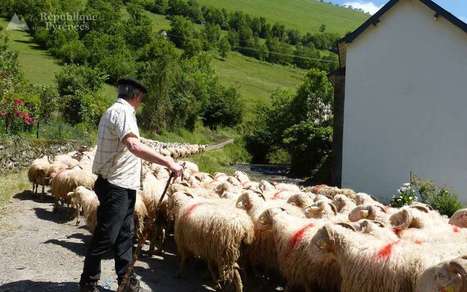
<point>183,258</point>
<point>238,281</point>
<point>43,188</point>
<point>214,276</point>
<point>34,188</point>
<point>77,216</point>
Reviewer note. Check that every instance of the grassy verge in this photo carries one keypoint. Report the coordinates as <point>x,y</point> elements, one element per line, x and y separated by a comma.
<point>12,184</point>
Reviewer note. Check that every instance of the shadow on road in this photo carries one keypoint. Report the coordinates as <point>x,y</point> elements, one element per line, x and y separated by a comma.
<point>38,198</point>
<point>62,215</point>
<point>31,286</point>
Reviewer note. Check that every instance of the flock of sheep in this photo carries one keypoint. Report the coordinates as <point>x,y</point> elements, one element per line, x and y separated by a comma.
<point>317,238</point>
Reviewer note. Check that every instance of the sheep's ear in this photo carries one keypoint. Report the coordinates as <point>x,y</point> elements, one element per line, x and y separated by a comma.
<point>333,207</point>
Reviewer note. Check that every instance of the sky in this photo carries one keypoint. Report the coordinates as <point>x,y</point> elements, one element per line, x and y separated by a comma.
<point>456,7</point>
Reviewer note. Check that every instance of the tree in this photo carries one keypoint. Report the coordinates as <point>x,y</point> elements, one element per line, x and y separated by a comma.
<point>182,31</point>
<point>293,36</point>
<point>223,109</point>
<point>161,6</point>
<point>73,83</point>
<point>224,47</point>
<point>212,34</point>
<point>322,27</point>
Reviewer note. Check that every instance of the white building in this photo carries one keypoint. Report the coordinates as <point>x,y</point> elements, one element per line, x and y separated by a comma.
<point>402,102</point>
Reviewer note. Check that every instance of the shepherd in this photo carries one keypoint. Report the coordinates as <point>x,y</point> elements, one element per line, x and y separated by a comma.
<point>117,165</point>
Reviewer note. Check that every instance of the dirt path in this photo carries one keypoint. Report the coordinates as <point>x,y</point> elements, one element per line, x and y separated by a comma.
<point>43,251</point>
<point>219,145</point>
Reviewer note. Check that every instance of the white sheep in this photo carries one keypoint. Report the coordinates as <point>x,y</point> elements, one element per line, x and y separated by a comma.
<point>300,262</point>
<point>85,200</point>
<point>37,173</point>
<point>449,276</point>
<point>214,231</point>
<point>67,180</point>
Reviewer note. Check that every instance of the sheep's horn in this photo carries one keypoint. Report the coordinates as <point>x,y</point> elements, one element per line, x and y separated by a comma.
<point>188,194</point>
<point>421,208</point>
<point>334,208</point>
<point>380,223</point>
<point>347,225</point>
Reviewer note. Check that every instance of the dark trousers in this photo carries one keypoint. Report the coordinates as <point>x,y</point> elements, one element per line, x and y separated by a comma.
<point>114,231</point>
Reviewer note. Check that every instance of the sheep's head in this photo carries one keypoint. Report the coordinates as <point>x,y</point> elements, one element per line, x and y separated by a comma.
<point>299,200</point>
<point>422,207</point>
<point>365,212</point>
<point>341,201</point>
<point>401,220</point>
<point>266,186</point>
<point>446,276</point>
<point>222,187</point>
<point>321,209</point>
<point>247,199</point>
<point>459,218</point>
<point>325,239</point>
<point>265,220</point>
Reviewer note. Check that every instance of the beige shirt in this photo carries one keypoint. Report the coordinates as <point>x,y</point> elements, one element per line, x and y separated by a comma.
<point>113,160</point>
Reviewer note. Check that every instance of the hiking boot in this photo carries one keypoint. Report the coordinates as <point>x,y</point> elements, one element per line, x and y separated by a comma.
<point>133,285</point>
<point>88,287</point>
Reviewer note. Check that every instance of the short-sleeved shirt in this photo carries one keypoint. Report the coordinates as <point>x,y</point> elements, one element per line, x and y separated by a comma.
<point>113,160</point>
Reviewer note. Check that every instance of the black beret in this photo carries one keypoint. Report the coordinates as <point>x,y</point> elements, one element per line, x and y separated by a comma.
<point>133,82</point>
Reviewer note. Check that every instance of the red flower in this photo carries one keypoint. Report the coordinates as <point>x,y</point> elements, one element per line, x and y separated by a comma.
<point>19,101</point>
<point>2,114</point>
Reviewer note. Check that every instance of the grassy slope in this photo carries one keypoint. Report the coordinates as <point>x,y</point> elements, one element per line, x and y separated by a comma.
<point>303,15</point>
<point>38,66</point>
<point>255,80</point>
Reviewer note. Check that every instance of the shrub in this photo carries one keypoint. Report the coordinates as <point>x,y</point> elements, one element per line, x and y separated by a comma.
<point>406,194</point>
<point>438,197</point>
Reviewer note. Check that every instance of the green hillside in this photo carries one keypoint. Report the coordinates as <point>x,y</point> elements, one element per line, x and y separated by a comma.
<point>38,66</point>
<point>303,15</point>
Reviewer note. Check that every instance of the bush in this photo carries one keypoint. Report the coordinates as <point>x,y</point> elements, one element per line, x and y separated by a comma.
<point>406,195</point>
<point>439,198</point>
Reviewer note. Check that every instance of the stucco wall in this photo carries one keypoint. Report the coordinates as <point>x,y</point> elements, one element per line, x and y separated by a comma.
<point>406,103</point>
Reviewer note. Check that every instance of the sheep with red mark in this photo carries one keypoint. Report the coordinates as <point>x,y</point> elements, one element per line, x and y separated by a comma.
<point>213,230</point>
<point>368,263</point>
<point>300,262</point>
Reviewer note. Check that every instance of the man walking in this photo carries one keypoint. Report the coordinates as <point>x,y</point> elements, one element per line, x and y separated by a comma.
<point>118,166</point>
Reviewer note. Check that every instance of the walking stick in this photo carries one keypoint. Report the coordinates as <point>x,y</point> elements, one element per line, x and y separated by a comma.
<point>123,285</point>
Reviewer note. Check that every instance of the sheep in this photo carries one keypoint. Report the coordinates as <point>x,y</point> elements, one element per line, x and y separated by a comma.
<point>262,252</point>
<point>343,203</point>
<point>266,186</point>
<point>459,218</point>
<point>370,264</point>
<point>37,173</point>
<point>67,160</point>
<point>213,231</point>
<point>372,212</point>
<point>301,200</point>
<point>417,217</point>
<point>67,180</point>
<point>287,187</point>
<point>365,199</point>
<point>85,200</point>
<point>241,177</point>
<point>55,168</point>
<point>321,209</point>
<point>300,262</point>
<point>449,275</point>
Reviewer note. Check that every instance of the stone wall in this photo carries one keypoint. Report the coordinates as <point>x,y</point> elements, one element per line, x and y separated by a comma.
<point>17,153</point>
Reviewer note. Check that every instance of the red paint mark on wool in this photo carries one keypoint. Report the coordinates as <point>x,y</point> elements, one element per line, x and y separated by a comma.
<point>418,241</point>
<point>298,235</point>
<point>386,251</point>
<point>191,209</point>
<point>277,195</point>
<point>397,230</point>
<point>456,229</point>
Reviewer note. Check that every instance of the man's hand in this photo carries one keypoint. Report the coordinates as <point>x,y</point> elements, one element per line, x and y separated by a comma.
<point>176,169</point>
